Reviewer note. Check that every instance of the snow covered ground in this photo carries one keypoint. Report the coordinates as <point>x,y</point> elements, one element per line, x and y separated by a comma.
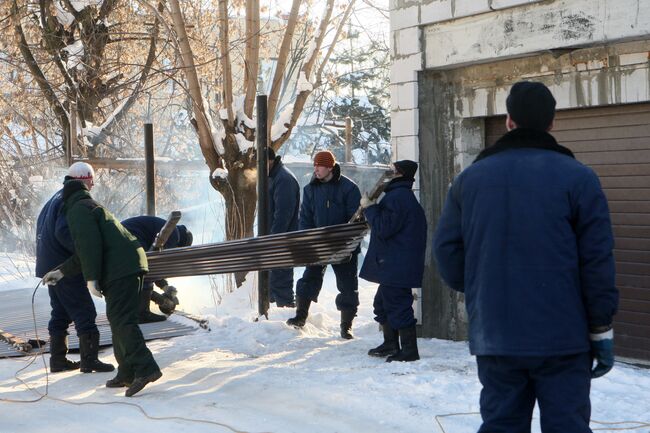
<point>246,376</point>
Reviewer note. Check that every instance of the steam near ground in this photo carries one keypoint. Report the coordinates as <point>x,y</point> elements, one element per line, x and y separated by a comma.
<point>250,377</point>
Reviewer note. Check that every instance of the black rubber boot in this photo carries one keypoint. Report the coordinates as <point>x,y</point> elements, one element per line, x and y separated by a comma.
<point>141,382</point>
<point>144,314</point>
<point>58,350</point>
<point>346,324</point>
<point>409,341</point>
<point>390,346</point>
<point>88,349</point>
<point>118,382</point>
<point>302,311</point>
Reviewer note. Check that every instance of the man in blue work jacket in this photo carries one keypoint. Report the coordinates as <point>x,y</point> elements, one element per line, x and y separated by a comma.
<point>525,233</point>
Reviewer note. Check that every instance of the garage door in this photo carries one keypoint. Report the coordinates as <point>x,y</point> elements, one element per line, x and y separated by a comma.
<point>615,142</point>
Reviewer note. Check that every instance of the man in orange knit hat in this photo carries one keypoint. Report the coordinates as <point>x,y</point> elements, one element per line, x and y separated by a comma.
<point>329,199</point>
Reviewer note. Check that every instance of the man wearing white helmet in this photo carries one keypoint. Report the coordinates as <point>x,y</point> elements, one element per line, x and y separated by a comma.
<point>70,299</point>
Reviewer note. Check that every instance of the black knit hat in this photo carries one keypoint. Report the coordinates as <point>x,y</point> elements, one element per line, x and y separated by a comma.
<point>531,105</point>
<point>406,168</point>
<point>185,237</point>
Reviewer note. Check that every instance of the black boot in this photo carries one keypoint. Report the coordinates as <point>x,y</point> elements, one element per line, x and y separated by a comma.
<point>409,342</point>
<point>88,349</point>
<point>346,324</point>
<point>141,382</point>
<point>390,346</point>
<point>58,350</point>
<point>302,311</point>
<point>144,313</point>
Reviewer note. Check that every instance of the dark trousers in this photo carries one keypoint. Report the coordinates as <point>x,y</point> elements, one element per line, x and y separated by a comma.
<point>281,285</point>
<point>71,302</point>
<point>395,306</point>
<point>511,384</point>
<point>346,281</point>
<point>122,300</point>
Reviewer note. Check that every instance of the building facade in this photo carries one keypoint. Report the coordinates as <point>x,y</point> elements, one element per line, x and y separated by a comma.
<point>453,64</point>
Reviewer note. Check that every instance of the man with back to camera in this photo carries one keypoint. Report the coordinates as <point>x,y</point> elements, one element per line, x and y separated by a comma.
<point>284,207</point>
<point>525,233</point>
<point>69,299</point>
<point>329,199</point>
<point>145,228</point>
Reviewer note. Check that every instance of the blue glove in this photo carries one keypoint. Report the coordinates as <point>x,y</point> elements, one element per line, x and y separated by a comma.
<point>602,349</point>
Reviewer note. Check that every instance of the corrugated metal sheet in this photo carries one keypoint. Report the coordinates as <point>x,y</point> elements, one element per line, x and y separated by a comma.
<point>323,245</point>
<point>16,317</point>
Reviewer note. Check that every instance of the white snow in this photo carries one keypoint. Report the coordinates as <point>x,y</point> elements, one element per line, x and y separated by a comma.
<point>220,172</point>
<point>303,84</point>
<point>80,5</point>
<point>243,143</point>
<point>248,376</point>
<point>278,128</point>
<point>62,15</point>
<point>75,53</point>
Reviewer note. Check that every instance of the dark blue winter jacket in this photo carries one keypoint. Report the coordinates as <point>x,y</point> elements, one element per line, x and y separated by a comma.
<point>53,240</point>
<point>284,199</point>
<point>397,239</point>
<point>329,203</point>
<point>525,233</point>
<point>145,228</point>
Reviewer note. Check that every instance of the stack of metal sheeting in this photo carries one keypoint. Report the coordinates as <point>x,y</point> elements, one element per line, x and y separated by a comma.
<point>324,245</point>
<point>17,318</point>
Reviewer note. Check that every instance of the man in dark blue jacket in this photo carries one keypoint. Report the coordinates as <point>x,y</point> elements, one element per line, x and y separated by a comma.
<point>145,228</point>
<point>395,260</point>
<point>284,206</point>
<point>69,299</point>
<point>329,199</point>
<point>525,233</point>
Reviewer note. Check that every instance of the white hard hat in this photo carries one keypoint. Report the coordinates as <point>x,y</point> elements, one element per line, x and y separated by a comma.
<point>81,170</point>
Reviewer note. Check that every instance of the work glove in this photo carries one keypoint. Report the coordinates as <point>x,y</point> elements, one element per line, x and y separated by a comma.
<point>602,350</point>
<point>93,288</point>
<point>171,300</point>
<point>365,201</point>
<point>52,277</point>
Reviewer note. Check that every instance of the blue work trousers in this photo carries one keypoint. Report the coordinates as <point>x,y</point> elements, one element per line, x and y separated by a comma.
<point>347,283</point>
<point>71,302</point>
<point>395,306</point>
<point>512,384</point>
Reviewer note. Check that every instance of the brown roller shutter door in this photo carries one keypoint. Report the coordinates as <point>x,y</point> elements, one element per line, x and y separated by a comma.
<point>615,142</point>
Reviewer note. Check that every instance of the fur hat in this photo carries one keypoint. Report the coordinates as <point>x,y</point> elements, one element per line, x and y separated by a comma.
<point>324,158</point>
<point>531,105</point>
<point>81,170</point>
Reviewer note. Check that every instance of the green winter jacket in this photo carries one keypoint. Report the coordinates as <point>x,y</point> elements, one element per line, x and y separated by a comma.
<point>104,250</point>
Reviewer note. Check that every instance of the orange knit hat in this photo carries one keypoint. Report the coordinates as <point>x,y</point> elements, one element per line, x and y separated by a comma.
<point>324,158</point>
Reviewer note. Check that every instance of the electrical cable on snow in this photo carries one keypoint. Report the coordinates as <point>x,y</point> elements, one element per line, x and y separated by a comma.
<point>45,395</point>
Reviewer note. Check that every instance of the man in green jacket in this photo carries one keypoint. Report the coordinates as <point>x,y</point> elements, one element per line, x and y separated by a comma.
<point>113,263</point>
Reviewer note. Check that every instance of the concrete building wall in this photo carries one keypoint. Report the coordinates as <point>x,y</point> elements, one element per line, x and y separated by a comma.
<point>453,64</point>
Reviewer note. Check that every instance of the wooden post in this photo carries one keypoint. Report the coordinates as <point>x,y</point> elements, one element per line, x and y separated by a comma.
<point>150,170</point>
<point>262,199</point>
<point>72,142</point>
<point>348,139</point>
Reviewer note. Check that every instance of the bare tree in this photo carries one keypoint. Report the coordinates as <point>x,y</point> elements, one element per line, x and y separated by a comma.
<point>227,142</point>
<point>84,58</point>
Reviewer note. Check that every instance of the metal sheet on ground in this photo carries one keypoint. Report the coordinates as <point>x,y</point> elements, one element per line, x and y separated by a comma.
<point>16,317</point>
